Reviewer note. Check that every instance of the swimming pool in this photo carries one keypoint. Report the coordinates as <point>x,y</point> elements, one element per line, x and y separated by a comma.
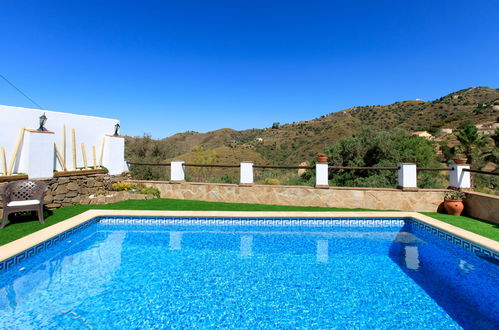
<point>141,272</point>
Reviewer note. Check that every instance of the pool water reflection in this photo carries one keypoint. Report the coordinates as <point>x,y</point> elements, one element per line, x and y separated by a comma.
<point>110,276</point>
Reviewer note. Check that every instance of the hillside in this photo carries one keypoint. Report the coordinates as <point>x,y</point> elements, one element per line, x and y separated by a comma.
<point>295,142</point>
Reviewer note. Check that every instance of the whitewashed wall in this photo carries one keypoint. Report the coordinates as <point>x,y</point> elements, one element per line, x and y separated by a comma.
<point>89,130</point>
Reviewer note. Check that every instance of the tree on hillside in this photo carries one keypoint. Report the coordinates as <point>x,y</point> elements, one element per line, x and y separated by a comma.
<point>370,148</point>
<point>495,149</point>
<point>147,150</point>
<point>448,152</point>
<point>471,142</point>
<point>205,157</point>
<point>487,160</point>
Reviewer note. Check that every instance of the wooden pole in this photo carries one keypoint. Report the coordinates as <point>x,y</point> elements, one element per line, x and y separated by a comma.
<point>16,150</point>
<point>61,159</point>
<point>84,153</point>
<point>64,146</point>
<point>4,161</point>
<point>95,157</point>
<point>73,147</point>
<point>102,150</point>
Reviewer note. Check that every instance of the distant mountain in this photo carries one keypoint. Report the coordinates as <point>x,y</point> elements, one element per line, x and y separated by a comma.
<point>295,142</point>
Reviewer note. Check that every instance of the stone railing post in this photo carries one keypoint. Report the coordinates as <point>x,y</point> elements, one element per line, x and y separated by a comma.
<point>459,178</point>
<point>177,171</point>
<point>246,174</point>
<point>321,175</point>
<point>407,176</point>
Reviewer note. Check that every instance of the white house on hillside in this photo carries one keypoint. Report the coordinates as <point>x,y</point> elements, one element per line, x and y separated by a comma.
<point>424,134</point>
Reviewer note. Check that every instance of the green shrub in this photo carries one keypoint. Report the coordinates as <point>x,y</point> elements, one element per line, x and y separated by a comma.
<point>454,195</point>
<point>296,180</point>
<point>228,179</point>
<point>100,192</point>
<point>272,181</point>
<point>150,191</point>
<point>123,186</point>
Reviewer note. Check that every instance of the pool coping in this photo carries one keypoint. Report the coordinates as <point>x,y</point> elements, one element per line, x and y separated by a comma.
<point>16,247</point>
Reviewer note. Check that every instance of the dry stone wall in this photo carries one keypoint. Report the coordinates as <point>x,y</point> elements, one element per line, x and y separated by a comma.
<point>72,190</point>
<point>85,189</point>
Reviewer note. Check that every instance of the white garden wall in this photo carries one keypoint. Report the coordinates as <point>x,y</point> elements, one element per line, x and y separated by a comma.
<point>89,131</point>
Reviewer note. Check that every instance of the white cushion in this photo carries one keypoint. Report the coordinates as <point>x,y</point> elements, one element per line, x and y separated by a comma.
<point>23,203</point>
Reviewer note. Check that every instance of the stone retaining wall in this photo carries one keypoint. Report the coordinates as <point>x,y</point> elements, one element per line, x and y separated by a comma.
<point>482,206</point>
<point>72,190</point>
<point>477,205</point>
<point>95,189</point>
<point>368,198</point>
<point>84,189</point>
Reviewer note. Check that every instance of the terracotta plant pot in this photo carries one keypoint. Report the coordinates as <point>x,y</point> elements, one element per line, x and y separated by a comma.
<point>460,160</point>
<point>453,207</point>
<point>321,158</point>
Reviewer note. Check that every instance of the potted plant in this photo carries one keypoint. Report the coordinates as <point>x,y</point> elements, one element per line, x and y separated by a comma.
<point>459,157</point>
<point>453,202</point>
<point>460,160</point>
<point>321,157</point>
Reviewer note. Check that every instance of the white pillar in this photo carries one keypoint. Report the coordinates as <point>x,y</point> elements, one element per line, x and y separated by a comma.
<point>407,176</point>
<point>37,156</point>
<point>321,175</point>
<point>177,171</point>
<point>114,154</point>
<point>458,177</point>
<point>246,175</point>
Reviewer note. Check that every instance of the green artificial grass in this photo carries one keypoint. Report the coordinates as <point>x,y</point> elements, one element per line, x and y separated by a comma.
<point>24,225</point>
<point>476,226</point>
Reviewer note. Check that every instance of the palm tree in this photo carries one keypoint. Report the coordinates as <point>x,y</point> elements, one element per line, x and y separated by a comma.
<point>493,154</point>
<point>470,139</point>
<point>495,137</point>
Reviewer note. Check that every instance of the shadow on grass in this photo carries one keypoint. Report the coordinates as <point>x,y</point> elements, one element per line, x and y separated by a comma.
<point>24,217</point>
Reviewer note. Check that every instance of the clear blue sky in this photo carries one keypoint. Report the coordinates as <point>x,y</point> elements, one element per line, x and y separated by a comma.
<point>169,66</point>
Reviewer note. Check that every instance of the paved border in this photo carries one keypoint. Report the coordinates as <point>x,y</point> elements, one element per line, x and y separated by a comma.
<point>13,248</point>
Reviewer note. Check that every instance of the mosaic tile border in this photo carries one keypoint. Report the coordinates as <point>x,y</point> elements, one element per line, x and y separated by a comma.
<point>474,248</point>
<point>312,222</point>
<point>237,221</point>
<point>13,261</point>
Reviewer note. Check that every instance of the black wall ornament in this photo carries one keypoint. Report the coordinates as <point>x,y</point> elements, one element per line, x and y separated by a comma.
<point>116,129</point>
<point>43,120</point>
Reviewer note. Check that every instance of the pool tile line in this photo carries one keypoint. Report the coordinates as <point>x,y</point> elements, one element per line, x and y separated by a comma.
<point>233,221</point>
<point>469,246</point>
<point>15,252</point>
<point>13,261</point>
<point>316,222</point>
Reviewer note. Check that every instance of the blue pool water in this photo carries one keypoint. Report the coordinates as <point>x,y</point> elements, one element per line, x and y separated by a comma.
<point>140,275</point>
